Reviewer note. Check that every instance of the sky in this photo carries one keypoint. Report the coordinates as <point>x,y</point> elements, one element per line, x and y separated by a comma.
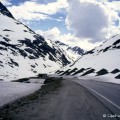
<point>84,23</point>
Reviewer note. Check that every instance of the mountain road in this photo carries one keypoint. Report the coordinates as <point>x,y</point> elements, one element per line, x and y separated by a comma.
<point>107,93</point>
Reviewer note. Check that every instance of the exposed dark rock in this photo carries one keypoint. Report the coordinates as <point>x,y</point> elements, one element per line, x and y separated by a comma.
<point>51,57</point>
<point>102,72</point>
<point>76,49</point>
<point>116,42</point>
<point>100,51</point>
<point>13,62</point>
<point>34,71</point>
<point>59,72</point>
<point>88,72</point>
<point>72,71</point>
<point>2,48</point>
<point>8,30</point>
<point>64,61</point>
<point>29,50</point>
<point>118,77</point>
<point>88,68</point>
<point>106,49</point>
<point>60,43</point>
<point>36,64</point>
<point>23,53</point>
<point>66,72</point>
<point>25,30</point>
<point>89,52</point>
<point>1,64</point>
<point>117,47</point>
<point>5,11</point>
<point>31,57</point>
<point>6,39</point>
<point>115,71</point>
<point>21,80</point>
<point>39,47</point>
<point>79,71</point>
<point>44,65</point>
<point>32,46</point>
<point>8,45</point>
<point>33,66</point>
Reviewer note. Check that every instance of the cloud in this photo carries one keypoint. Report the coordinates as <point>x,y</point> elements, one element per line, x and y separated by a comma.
<point>32,10</point>
<point>52,34</point>
<point>115,5</point>
<point>55,34</point>
<point>90,19</point>
<point>6,2</point>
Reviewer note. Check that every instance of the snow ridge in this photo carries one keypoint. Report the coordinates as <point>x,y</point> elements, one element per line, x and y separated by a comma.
<point>74,52</point>
<point>23,53</point>
<point>102,60</point>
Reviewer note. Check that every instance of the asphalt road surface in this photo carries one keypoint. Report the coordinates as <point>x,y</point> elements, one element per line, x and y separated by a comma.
<point>107,93</point>
<point>70,101</point>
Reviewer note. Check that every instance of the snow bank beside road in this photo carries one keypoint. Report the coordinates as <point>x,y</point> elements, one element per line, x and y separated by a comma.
<point>104,78</point>
<point>10,91</point>
<point>109,78</point>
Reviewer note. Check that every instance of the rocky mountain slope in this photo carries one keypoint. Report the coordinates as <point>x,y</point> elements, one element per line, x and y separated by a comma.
<point>102,60</point>
<point>75,52</point>
<point>24,53</point>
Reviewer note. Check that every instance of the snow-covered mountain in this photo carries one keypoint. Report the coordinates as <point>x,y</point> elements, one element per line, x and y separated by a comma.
<point>99,61</point>
<point>75,52</point>
<point>56,46</point>
<point>24,53</point>
<point>5,11</point>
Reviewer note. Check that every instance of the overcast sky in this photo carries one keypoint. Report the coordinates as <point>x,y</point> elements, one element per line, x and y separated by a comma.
<point>85,23</point>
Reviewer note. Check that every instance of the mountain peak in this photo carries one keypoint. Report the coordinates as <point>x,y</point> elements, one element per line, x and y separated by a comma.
<point>22,49</point>
<point>101,61</point>
<point>77,49</point>
<point>5,11</point>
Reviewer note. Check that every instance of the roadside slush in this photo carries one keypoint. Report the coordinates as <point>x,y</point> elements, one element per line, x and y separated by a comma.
<point>57,100</point>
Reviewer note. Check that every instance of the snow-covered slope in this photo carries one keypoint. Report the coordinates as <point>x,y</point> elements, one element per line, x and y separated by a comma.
<point>24,53</point>
<point>74,52</point>
<point>11,91</point>
<point>99,61</point>
<point>56,46</point>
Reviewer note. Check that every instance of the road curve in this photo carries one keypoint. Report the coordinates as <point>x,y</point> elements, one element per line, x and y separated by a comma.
<point>107,93</point>
<point>69,102</point>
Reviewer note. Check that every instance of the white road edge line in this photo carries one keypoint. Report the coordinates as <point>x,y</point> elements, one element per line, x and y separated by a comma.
<point>99,95</point>
<point>104,98</point>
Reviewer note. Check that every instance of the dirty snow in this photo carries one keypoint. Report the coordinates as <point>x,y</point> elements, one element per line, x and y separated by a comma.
<point>11,91</point>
